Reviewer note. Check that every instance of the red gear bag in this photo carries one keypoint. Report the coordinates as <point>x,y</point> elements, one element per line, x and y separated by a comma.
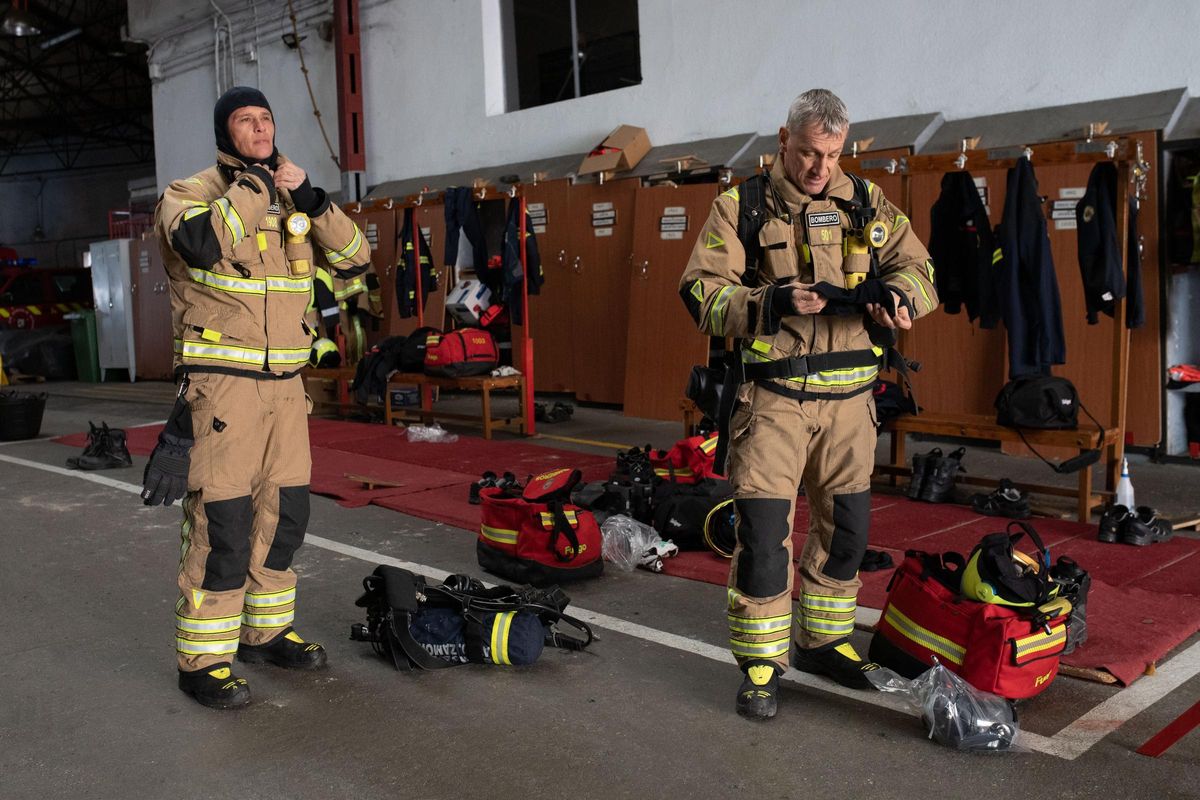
<point>462,352</point>
<point>690,460</point>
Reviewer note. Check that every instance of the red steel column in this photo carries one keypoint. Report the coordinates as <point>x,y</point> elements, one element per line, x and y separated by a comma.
<point>348,53</point>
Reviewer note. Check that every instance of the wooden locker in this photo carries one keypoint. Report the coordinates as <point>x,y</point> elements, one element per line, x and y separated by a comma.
<point>663,340</point>
<point>552,308</point>
<point>431,218</point>
<point>599,259</point>
<point>378,225</point>
<point>150,290</point>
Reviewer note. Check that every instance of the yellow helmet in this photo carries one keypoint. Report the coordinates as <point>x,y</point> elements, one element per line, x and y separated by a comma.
<point>325,354</point>
<point>996,572</point>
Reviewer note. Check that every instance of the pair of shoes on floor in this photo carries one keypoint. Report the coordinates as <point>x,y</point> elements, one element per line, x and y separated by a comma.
<point>105,449</point>
<point>758,696</point>
<point>1140,526</point>
<point>508,483</point>
<point>1005,501</point>
<point>933,475</point>
<point>558,412</point>
<point>216,686</point>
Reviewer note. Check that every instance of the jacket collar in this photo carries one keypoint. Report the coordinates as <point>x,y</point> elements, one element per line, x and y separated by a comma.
<point>229,165</point>
<point>840,186</point>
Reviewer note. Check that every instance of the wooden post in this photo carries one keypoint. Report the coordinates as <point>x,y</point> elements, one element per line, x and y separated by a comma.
<point>1120,340</point>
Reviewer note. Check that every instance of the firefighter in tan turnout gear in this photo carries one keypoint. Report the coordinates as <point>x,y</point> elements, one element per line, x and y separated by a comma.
<point>240,241</point>
<point>824,272</point>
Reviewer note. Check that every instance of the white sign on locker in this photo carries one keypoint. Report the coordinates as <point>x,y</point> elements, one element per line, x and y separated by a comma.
<point>373,235</point>
<point>603,231</point>
<point>671,235</point>
<point>1072,192</point>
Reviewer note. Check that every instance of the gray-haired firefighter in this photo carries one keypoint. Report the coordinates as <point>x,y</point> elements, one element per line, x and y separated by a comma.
<point>824,273</point>
<point>240,241</point>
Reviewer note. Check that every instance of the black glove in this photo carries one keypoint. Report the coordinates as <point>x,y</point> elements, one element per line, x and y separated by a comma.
<point>306,197</point>
<point>166,477</point>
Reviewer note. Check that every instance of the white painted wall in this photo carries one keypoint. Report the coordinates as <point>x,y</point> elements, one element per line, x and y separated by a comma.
<point>710,68</point>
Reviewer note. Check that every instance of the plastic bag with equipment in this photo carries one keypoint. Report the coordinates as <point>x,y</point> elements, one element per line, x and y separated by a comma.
<point>627,542</point>
<point>431,433</point>
<point>955,713</point>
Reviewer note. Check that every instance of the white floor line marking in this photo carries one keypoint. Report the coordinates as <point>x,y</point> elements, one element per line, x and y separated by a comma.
<point>943,530</point>
<point>1069,743</point>
<point>28,441</point>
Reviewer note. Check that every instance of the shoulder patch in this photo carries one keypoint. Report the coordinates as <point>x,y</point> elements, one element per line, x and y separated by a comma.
<point>698,291</point>
<point>732,192</point>
<point>712,240</point>
<point>819,219</point>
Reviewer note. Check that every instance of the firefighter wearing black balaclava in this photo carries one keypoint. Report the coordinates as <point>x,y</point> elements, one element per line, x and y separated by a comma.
<point>839,270</point>
<point>240,242</point>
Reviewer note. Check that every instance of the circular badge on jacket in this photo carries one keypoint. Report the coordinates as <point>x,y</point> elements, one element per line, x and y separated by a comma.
<point>877,234</point>
<point>298,224</point>
<point>1088,213</point>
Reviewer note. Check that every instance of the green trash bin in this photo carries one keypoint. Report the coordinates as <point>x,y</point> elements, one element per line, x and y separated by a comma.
<point>87,348</point>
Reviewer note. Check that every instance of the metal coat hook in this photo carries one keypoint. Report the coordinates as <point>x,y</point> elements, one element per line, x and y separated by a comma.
<point>391,201</point>
<point>961,161</point>
<point>1110,149</point>
<point>420,199</point>
<point>358,207</point>
<point>512,191</point>
<point>1027,154</point>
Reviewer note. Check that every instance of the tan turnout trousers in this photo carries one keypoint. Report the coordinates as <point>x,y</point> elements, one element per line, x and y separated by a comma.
<point>778,442</point>
<point>244,516</point>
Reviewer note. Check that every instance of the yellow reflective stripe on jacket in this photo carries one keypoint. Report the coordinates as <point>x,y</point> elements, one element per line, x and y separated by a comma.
<point>732,192</point>
<point>235,355</point>
<point>501,626</point>
<point>219,647</point>
<point>825,602</point>
<point>759,346</point>
<point>760,625</point>
<point>215,625</point>
<point>352,287</point>
<point>1039,642</point>
<point>926,638</point>
<point>276,283</point>
<point>268,620</point>
<point>288,355</point>
<point>338,256</point>
<point>233,221</point>
<point>899,221</point>
<point>500,535</point>
<point>769,649</point>
<point>917,287</point>
<point>227,283</point>
<point>716,312</point>
<point>851,376</point>
<point>195,212</point>
<point>997,254</point>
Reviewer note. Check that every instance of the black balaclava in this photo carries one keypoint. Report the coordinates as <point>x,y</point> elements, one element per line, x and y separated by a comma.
<point>229,102</point>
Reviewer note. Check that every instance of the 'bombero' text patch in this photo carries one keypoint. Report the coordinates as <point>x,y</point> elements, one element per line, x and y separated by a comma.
<point>825,218</point>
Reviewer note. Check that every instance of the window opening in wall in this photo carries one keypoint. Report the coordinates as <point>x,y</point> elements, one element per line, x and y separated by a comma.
<point>564,49</point>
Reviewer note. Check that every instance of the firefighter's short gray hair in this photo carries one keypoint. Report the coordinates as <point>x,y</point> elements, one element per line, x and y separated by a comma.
<point>820,107</point>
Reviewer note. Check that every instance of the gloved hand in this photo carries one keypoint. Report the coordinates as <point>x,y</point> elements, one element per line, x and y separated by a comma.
<point>166,477</point>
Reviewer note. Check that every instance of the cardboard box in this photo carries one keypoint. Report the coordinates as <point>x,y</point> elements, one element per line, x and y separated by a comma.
<point>621,150</point>
<point>467,300</point>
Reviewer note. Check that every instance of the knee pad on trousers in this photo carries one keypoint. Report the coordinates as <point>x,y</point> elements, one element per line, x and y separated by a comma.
<point>289,532</point>
<point>229,526</point>
<point>851,525</point>
<point>763,564</point>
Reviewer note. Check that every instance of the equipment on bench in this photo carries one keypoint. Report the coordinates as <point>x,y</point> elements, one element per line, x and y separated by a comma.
<point>1045,402</point>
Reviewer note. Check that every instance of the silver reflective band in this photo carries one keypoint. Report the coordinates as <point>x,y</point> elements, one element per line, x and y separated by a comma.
<point>268,620</point>
<point>222,647</point>
<point>299,285</point>
<point>338,256</point>
<point>219,625</point>
<point>760,626</point>
<point>775,647</point>
<point>237,355</point>
<point>825,602</point>
<point>270,598</point>
<point>225,283</point>
<point>232,220</point>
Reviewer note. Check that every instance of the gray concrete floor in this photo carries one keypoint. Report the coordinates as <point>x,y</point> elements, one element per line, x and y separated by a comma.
<point>89,705</point>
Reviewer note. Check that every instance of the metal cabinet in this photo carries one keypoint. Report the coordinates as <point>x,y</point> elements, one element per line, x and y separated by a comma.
<point>112,284</point>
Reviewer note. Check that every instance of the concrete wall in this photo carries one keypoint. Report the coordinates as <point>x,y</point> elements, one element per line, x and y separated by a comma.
<point>710,68</point>
<point>74,211</point>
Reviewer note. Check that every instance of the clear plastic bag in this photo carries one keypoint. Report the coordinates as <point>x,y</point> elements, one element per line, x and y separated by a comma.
<point>955,713</point>
<point>431,433</point>
<point>626,541</point>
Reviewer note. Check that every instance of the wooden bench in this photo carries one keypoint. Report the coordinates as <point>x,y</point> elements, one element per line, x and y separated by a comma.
<point>341,376</point>
<point>484,384</point>
<point>972,426</point>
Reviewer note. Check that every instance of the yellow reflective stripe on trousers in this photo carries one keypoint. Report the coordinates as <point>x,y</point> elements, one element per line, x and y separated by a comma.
<point>772,649</point>
<point>851,376</point>
<point>1028,645</point>
<point>716,312</point>
<point>501,625</point>
<point>501,535</point>
<point>267,599</point>
<point>218,648</point>
<point>925,637</point>
<point>830,627</point>
<point>827,602</point>
<point>233,221</point>
<point>215,625</point>
<point>226,283</point>
<point>760,625</point>
<point>276,283</point>
<point>268,620</point>
<point>216,352</point>
<point>338,256</point>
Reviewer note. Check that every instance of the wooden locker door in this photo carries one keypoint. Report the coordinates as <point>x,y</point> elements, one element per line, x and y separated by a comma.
<point>432,221</point>
<point>664,342</point>
<point>378,225</point>
<point>599,256</point>
<point>551,309</point>
<point>151,312</point>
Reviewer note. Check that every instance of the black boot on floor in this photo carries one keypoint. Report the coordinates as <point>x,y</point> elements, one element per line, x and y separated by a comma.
<point>938,486</point>
<point>286,650</point>
<point>110,454</point>
<point>837,660</point>
<point>920,471</point>
<point>1006,501</point>
<point>215,687</point>
<point>1111,522</point>
<point>1144,527</point>
<point>758,696</point>
<point>92,447</point>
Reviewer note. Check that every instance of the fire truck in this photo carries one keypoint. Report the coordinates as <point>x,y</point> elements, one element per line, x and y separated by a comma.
<point>33,298</point>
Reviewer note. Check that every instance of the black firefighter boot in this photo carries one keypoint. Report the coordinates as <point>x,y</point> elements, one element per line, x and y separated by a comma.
<point>286,650</point>
<point>92,447</point>
<point>938,486</point>
<point>921,464</point>
<point>112,452</point>
<point>758,696</point>
<point>215,687</point>
<point>837,660</point>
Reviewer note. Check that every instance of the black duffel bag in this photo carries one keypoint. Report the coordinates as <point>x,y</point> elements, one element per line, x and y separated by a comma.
<point>1045,402</point>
